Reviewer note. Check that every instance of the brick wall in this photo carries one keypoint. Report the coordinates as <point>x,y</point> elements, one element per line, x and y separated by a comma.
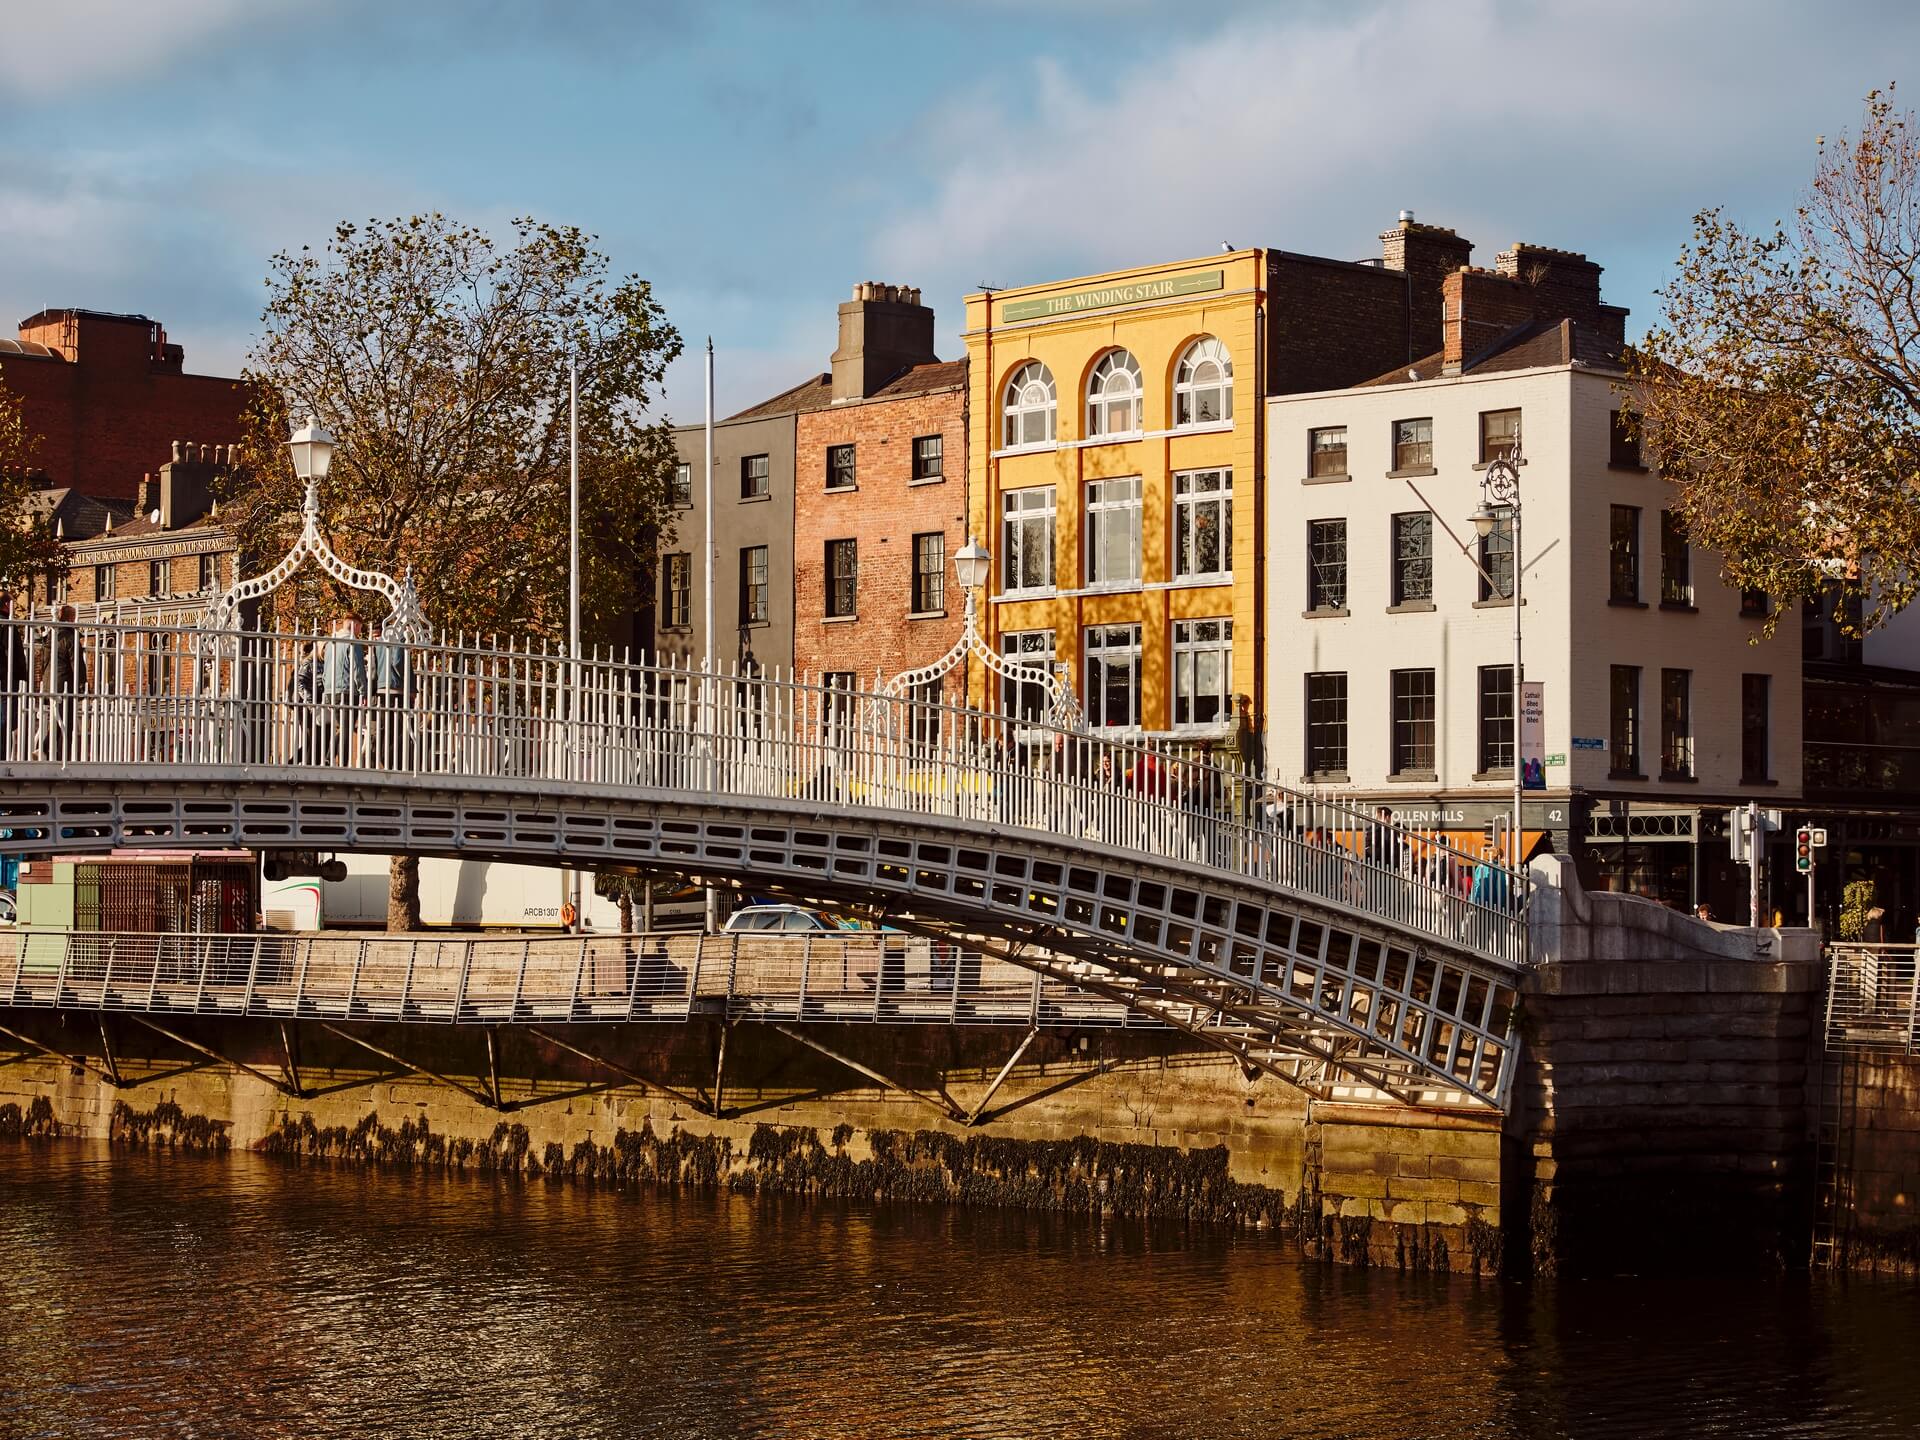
<point>884,513</point>
<point>112,400</point>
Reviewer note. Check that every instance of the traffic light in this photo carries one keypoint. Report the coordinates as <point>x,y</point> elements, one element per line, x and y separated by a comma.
<point>1803,849</point>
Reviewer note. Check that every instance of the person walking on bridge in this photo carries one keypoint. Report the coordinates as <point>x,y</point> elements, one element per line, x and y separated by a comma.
<point>59,674</point>
<point>343,688</point>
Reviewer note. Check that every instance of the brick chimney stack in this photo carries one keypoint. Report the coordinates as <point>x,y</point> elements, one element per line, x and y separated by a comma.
<point>1529,283</point>
<point>1427,254</point>
<point>884,332</point>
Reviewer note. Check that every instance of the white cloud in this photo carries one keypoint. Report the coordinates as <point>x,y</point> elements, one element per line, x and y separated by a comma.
<point>53,45</point>
<point>1579,126</point>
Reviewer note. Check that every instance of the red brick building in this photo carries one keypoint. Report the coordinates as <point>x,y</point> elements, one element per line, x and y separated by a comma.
<point>108,395</point>
<point>879,495</point>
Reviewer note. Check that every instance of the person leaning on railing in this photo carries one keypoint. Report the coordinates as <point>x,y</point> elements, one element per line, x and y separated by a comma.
<point>13,675</point>
<point>59,674</point>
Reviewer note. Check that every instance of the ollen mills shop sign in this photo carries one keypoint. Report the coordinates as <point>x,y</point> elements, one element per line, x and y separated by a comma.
<point>1072,303</point>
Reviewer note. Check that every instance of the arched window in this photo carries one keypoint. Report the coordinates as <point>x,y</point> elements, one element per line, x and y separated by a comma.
<point>1113,395</point>
<point>1030,406</point>
<point>1203,385</point>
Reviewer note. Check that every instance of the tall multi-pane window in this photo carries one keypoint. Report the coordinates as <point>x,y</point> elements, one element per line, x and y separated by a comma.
<point>1203,384</point>
<point>1327,452</point>
<point>843,577</point>
<point>1756,759</point>
<point>1623,722</point>
<point>1676,722</point>
<point>1496,558</point>
<point>1676,561</point>
<point>1412,558</point>
<point>840,471</point>
<point>929,572</point>
<point>1496,718</point>
<point>1499,435</point>
<point>1623,554</point>
<point>756,477</point>
<point>1031,650</point>
<point>927,457</point>
<point>1113,531</point>
<point>1202,671</point>
<point>1029,406</point>
<point>1623,445</point>
<point>1413,722</point>
<point>682,493</point>
<point>1327,725</point>
<point>1203,524</point>
<point>159,578</point>
<point>676,600</point>
<point>1413,444</point>
<point>209,572</point>
<point>1113,675</point>
<point>1026,552</point>
<point>753,585</point>
<point>1326,564</point>
<point>1113,395</point>
<point>103,582</point>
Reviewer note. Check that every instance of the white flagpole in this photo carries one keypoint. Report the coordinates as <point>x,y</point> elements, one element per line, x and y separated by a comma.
<point>573,580</point>
<point>706,625</point>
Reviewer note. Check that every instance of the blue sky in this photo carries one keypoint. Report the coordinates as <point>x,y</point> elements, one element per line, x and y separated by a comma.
<point>755,160</point>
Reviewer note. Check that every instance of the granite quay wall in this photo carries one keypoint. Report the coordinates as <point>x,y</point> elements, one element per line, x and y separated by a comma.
<point>1871,1102</point>
<point>1662,1115</point>
<point>1131,1124</point>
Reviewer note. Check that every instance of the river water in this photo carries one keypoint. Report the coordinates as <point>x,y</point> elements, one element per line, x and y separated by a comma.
<point>155,1294</point>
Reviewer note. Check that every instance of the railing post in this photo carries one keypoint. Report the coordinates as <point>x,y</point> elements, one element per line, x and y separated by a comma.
<point>1913,999</point>
<point>633,984</point>
<point>106,973</point>
<point>460,990</point>
<point>806,967</point>
<point>520,979</point>
<point>353,981</point>
<point>1033,1015</point>
<point>60,975</point>
<point>200,980</point>
<point>953,1013</point>
<point>579,972</point>
<point>300,975</point>
<point>253,975</point>
<point>406,983</point>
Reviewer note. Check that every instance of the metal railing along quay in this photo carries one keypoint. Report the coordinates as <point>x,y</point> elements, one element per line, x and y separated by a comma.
<point>868,977</point>
<point>142,700</point>
<point>1873,997</point>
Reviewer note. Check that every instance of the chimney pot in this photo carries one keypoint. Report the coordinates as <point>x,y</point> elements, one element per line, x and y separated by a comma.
<point>177,445</point>
<point>1406,217</point>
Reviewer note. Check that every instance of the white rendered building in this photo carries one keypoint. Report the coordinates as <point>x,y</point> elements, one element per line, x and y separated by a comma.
<point>1389,651</point>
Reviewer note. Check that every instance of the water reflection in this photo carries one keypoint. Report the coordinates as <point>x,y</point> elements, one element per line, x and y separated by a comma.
<point>151,1294</point>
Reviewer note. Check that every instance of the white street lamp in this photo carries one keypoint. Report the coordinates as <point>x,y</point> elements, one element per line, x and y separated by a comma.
<point>970,566</point>
<point>312,447</point>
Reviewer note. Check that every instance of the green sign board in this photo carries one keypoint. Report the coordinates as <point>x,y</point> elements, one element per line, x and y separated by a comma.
<point>1135,293</point>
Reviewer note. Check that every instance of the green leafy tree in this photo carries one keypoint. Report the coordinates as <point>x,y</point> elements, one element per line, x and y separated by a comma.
<point>28,549</point>
<point>438,358</point>
<point>1782,388</point>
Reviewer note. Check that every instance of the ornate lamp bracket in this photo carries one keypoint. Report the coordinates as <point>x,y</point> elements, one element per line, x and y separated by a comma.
<point>405,621</point>
<point>1063,706</point>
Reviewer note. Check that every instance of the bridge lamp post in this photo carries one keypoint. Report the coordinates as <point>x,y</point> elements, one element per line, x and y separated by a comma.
<point>971,563</point>
<point>1500,495</point>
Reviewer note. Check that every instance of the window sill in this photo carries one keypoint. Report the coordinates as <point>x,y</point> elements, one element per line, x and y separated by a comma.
<point>1418,472</point>
<point>1042,447</point>
<point>1325,479</point>
<point>1675,777</point>
<point>1756,614</point>
<point>838,619</point>
<point>1414,777</point>
<point>1019,597</point>
<point>755,499</point>
<point>750,625</point>
<point>1757,780</point>
<point>1484,464</point>
<point>1411,607</point>
<point>1324,614</point>
<point>1113,587</point>
<point>1680,607</point>
<point>927,480</point>
<point>1625,775</point>
<point>682,505</point>
<point>1629,467</point>
<point>839,489</point>
<point>1192,582</point>
<point>926,615</point>
<point>1327,777</point>
<point>1505,603</point>
<point>1203,427</point>
<point>676,629</point>
<point>1506,774</point>
<point>1619,604</point>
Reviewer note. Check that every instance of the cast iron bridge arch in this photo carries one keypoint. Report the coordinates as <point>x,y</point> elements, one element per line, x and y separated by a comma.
<point>1302,936</point>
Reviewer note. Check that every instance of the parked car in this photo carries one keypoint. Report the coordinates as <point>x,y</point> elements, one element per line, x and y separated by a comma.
<point>788,919</point>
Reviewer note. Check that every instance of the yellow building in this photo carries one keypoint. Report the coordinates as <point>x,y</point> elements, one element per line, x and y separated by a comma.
<point>1116,457</point>
<point>1113,459</point>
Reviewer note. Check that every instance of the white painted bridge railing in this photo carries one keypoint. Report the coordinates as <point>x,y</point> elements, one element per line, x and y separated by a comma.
<point>1873,997</point>
<point>171,700</point>
<point>871,976</point>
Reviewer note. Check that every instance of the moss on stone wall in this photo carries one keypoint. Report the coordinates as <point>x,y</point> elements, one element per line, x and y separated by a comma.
<point>167,1124</point>
<point>36,1122</point>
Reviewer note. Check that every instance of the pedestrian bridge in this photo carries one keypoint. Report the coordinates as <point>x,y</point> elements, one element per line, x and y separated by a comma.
<point>1316,944</point>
